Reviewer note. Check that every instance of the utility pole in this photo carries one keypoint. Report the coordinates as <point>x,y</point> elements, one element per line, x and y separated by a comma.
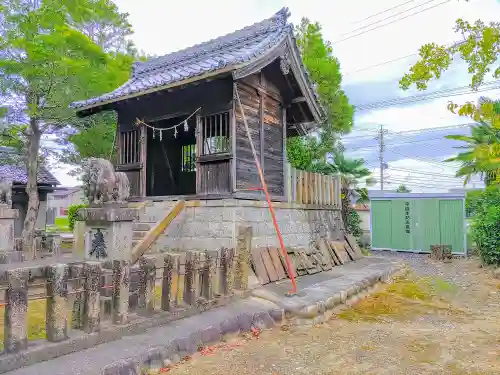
<point>381,143</point>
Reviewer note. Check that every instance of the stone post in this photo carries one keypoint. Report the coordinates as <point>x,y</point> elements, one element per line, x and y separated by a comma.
<point>209,274</point>
<point>92,306</point>
<point>121,285</point>
<point>147,276</point>
<point>243,246</point>
<point>227,260</point>
<point>77,272</point>
<point>16,310</point>
<point>79,239</point>
<point>7,248</point>
<point>57,302</point>
<point>108,232</point>
<point>192,289</point>
<point>171,264</point>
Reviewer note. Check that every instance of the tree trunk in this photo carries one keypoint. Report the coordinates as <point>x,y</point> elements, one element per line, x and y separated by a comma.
<point>33,148</point>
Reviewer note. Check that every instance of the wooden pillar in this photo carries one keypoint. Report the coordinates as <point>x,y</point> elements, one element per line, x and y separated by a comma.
<point>143,146</point>
<point>57,302</point>
<point>16,311</point>
<point>233,141</point>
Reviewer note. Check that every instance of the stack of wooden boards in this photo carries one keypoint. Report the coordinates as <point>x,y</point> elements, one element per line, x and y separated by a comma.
<point>270,266</point>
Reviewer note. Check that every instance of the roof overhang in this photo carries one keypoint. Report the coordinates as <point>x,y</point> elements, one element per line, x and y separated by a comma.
<point>97,107</point>
<point>287,49</point>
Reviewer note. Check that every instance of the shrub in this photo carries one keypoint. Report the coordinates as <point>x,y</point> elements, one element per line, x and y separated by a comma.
<point>353,223</point>
<point>485,228</point>
<point>73,214</point>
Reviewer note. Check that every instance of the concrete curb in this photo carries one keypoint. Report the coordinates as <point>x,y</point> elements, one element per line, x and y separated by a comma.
<point>266,310</point>
<point>259,315</point>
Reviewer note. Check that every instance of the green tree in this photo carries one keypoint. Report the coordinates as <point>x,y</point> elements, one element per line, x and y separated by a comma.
<point>46,62</point>
<point>403,189</point>
<point>480,48</point>
<point>324,69</point>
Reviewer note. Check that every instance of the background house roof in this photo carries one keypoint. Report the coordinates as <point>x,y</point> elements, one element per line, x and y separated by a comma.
<point>228,52</point>
<point>12,168</point>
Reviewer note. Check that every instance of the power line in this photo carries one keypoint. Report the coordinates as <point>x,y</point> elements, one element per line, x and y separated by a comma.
<point>418,98</point>
<point>380,64</point>
<point>387,24</point>
<point>410,132</point>
<point>384,11</point>
<point>455,44</point>
<point>385,19</point>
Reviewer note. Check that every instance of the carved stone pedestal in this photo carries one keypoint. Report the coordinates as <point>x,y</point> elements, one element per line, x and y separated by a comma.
<point>108,232</point>
<point>8,253</point>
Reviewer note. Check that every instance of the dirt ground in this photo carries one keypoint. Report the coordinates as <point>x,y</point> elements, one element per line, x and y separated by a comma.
<point>439,319</point>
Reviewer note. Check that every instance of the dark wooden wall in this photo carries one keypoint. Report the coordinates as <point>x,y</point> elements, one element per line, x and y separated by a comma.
<point>262,104</point>
<point>213,96</point>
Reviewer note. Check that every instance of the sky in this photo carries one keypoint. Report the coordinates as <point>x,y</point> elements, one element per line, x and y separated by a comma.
<point>414,156</point>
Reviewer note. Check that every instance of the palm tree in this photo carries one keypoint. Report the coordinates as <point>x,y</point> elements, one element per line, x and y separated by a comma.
<point>353,172</point>
<point>482,156</point>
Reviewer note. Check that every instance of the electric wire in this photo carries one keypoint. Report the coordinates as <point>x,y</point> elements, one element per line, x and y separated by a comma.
<point>390,23</point>
<point>389,17</point>
<point>384,11</point>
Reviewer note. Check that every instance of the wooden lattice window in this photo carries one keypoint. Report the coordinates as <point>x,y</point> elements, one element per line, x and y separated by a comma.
<point>129,147</point>
<point>188,158</point>
<point>215,134</point>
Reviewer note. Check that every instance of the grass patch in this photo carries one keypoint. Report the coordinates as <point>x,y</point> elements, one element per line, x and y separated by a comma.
<point>405,297</point>
<point>36,321</point>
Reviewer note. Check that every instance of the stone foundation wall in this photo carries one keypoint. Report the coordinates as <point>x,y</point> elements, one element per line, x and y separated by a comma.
<point>210,225</point>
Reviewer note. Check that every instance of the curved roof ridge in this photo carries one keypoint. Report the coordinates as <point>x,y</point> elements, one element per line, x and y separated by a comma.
<point>275,22</point>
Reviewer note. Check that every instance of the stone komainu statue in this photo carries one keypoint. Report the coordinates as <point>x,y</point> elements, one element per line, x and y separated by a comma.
<point>102,184</point>
<point>6,192</point>
<point>122,190</point>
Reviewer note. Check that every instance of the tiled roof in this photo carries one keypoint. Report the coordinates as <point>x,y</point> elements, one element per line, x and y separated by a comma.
<point>12,168</point>
<point>225,53</point>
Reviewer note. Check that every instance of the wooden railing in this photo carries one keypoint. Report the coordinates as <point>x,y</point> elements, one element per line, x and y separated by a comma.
<point>313,188</point>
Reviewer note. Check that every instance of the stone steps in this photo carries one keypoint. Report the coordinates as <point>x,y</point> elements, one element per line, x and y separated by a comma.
<point>150,215</point>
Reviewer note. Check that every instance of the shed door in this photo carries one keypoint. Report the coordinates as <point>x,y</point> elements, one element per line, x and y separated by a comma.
<point>381,224</point>
<point>429,223</point>
<point>451,213</point>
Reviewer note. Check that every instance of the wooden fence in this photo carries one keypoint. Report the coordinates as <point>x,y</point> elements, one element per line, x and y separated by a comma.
<point>313,188</point>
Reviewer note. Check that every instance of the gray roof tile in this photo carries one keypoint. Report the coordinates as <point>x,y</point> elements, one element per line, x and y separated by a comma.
<point>232,50</point>
<point>12,168</point>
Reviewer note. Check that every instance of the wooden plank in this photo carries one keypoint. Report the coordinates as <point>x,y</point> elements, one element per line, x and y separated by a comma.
<point>329,246</point>
<point>268,263</point>
<point>258,264</point>
<point>349,251</point>
<point>354,246</point>
<point>338,248</point>
<point>151,237</point>
<point>278,266</point>
<point>323,248</point>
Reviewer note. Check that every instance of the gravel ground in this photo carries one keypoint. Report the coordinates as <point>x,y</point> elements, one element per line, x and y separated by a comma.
<point>461,338</point>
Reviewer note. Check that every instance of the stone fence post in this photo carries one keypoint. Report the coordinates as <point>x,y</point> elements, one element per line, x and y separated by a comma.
<point>7,247</point>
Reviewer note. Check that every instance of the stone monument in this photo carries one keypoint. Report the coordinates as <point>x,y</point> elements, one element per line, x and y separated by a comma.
<point>8,253</point>
<point>108,220</point>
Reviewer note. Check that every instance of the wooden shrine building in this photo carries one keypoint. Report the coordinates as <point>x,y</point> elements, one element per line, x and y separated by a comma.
<point>181,130</point>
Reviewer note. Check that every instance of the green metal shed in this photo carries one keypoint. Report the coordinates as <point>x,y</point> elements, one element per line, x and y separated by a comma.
<point>413,222</point>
